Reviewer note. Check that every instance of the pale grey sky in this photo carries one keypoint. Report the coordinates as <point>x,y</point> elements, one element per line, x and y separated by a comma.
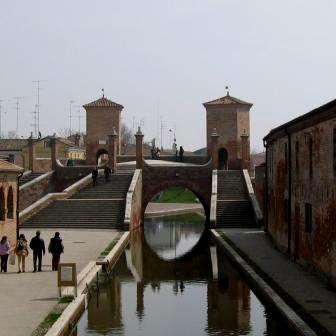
<point>165,58</point>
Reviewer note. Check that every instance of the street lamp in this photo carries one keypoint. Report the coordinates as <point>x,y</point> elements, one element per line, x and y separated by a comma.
<point>174,143</point>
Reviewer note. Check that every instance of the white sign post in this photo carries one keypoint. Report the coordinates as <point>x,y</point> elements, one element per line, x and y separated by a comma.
<point>67,276</point>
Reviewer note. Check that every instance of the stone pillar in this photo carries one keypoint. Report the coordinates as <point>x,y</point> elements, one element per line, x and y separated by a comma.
<point>54,152</point>
<point>214,148</point>
<point>139,148</point>
<point>245,151</point>
<point>113,149</point>
<point>31,154</point>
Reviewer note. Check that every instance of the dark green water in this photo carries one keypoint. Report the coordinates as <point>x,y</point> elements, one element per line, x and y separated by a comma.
<point>173,280</point>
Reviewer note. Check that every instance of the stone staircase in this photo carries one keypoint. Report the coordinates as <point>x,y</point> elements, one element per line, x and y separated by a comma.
<point>94,207</point>
<point>233,207</point>
<point>28,177</point>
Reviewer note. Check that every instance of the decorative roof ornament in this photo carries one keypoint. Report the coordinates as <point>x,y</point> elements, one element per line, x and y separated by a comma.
<point>227,90</point>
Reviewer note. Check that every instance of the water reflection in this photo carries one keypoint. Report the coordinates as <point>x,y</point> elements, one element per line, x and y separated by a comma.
<point>173,238</point>
<point>197,294</point>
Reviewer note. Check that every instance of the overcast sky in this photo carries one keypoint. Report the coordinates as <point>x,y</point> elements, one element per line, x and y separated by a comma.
<point>163,59</point>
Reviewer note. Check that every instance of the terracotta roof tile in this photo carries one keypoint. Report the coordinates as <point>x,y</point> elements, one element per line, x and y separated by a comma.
<point>7,166</point>
<point>227,100</point>
<point>102,102</point>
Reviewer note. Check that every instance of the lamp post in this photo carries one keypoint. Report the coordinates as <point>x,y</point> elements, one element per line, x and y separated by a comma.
<point>174,143</point>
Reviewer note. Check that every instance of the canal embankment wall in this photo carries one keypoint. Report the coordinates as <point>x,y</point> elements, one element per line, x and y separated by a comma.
<point>297,295</point>
<point>70,316</point>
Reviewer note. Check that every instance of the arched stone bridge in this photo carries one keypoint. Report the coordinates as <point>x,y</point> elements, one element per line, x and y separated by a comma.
<point>152,179</point>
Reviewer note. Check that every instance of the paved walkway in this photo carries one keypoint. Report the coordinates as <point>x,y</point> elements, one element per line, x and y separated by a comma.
<point>26,298</point>
<point>162,209</point>
<point>308,290</point>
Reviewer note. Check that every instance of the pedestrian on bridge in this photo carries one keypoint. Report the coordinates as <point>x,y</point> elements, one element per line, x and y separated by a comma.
<point>94,175</point>
<point>56,248</point>
<point>4,253</point>
<point>107,173</point>
<point>37,245</point>
<point>181,153</point>
<point>21,250</point>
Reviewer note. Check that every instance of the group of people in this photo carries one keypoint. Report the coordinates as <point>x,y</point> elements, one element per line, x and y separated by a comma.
<point>156,152</point>
<point>94,174</point>
<point>37,245</point>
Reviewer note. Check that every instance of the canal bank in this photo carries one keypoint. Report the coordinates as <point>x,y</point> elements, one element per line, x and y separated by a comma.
<point>300,289</point>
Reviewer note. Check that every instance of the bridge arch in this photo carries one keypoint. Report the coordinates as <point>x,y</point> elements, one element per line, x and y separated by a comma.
<point>223,158</point>
<point>101,156</point>
<point>195,178</point>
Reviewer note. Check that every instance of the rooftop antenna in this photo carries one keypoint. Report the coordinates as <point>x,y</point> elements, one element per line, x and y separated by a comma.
<point>38,103</point>
<point>34,124</point>
<point>70,115</point>
<point>227,90</point>
<point>1,113</point>
<point>17,114</point>
<point>103,92</point>
<point>79,117</point>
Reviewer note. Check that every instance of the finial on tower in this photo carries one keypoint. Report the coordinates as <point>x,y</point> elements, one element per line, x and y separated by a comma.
<point>227,90</point>
<point>103,91</point>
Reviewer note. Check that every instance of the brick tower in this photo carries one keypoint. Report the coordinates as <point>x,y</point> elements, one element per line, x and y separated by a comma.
<point>102,118</point>
<point>230,117</point>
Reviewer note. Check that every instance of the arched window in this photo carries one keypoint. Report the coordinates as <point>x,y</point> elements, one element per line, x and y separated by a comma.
<point>2,205</point>
<point>10,203</point>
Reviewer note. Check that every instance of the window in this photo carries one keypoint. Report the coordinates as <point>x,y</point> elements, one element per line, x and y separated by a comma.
<point>10,204</point>
<point>310,155</point>
<point>286,210</point>
<point>308,217</point>
<point>297,165</point>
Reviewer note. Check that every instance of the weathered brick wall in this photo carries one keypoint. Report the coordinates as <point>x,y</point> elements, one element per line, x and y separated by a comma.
<point>317,248</point>
<point>34,191</point>
<point>230,121</point>
<point>100,122</point>
<point>259,186</point>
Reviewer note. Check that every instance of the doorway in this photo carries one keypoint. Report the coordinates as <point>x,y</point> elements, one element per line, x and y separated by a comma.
<point>222,159</point>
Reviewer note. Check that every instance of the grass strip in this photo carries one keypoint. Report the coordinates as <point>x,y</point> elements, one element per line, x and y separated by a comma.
<point>309,319</point>
<point>177,195</point>
<point>110,246</point>
<point>53,316</point>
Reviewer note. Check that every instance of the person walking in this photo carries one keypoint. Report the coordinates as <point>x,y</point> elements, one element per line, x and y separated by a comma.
<point>181,153</point>
<point>37,245</point>
<point>56,248</point>
<point>94,175</point>
<point>107,172</point>
<point>21,250</point>
<point>4,253</point>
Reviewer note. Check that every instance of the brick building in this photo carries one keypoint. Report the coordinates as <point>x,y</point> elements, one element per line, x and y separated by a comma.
<point>230,117</point>
<point>8,197</point>
<point>102,116</point>
<point>300,205</point>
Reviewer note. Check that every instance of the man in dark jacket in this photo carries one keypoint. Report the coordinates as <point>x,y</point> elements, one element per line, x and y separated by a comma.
<point>94,175</point>
<point>37,245</point>
<point>56,248</point>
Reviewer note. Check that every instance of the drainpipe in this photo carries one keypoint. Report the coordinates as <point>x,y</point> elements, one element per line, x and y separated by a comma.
<point>266,188</point>
<point>17,205</point>
<point>289,208</point>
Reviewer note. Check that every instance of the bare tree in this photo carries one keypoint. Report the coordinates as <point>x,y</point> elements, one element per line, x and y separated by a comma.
<point>126,136</point>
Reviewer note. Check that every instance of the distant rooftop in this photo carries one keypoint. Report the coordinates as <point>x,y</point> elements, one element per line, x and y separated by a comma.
<point>7,166</point>
<point>103,102</point>
<point>227,100</point>
<point>13,144</point>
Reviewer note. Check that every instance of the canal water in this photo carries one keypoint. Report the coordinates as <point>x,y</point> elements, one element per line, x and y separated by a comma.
<point>173,279</point>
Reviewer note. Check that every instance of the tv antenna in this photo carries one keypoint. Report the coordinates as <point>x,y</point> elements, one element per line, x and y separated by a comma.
<point>17,103</point>
<point>38,88</point>
<point>70,114</point>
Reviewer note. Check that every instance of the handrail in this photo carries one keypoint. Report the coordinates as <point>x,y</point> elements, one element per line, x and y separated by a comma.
<point>254,202</point>
<point>213,204</point>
